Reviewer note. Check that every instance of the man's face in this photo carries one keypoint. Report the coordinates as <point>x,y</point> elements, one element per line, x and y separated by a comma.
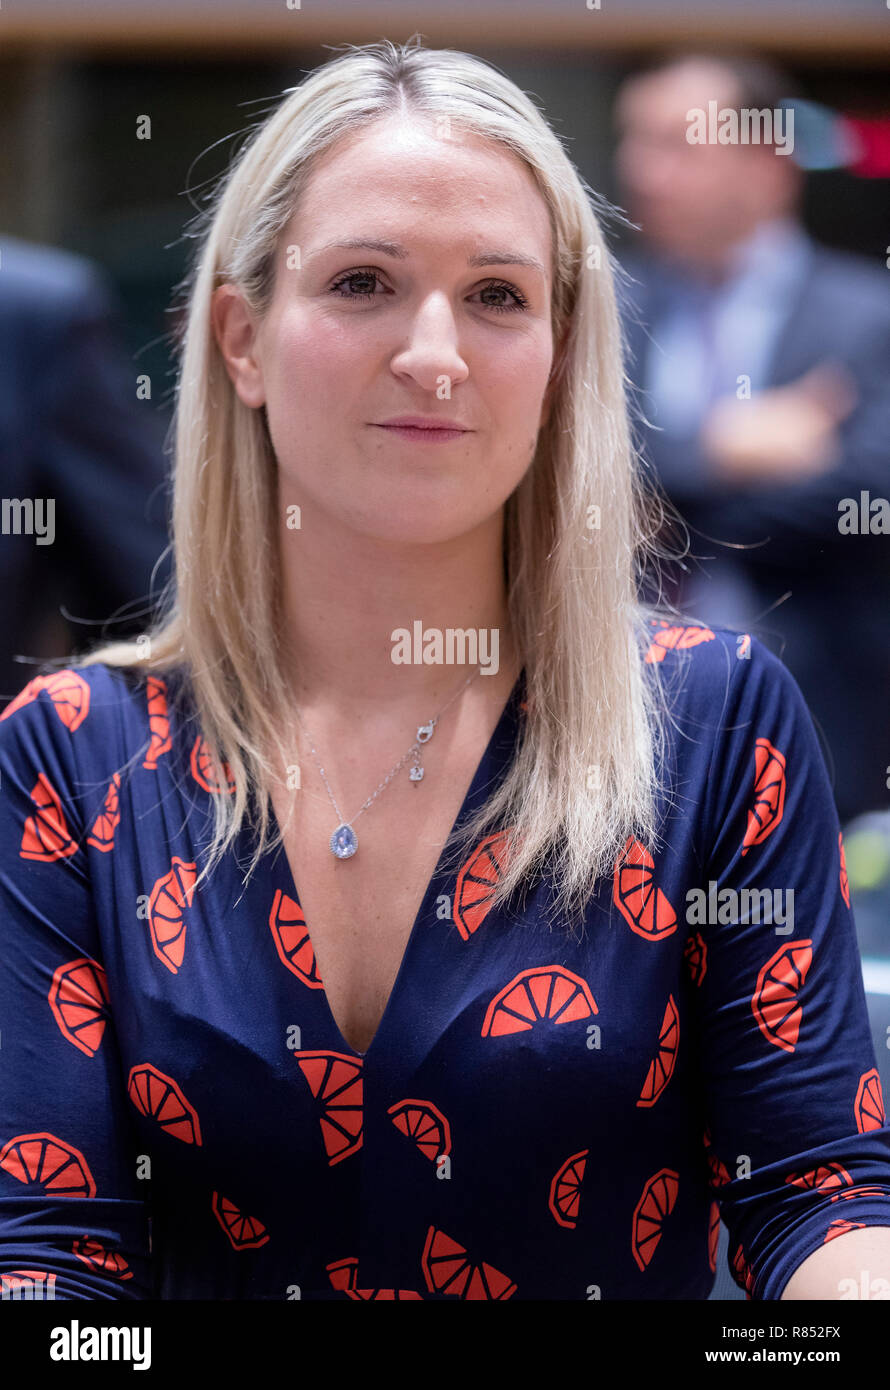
<point>691,200</point>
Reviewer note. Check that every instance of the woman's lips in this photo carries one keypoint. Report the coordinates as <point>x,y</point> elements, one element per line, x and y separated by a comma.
<point>424,435</point>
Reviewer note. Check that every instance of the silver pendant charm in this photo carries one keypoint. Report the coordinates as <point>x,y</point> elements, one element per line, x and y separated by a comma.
<point>344,842</point>
<point>416,773</point>
<point>425,732</point>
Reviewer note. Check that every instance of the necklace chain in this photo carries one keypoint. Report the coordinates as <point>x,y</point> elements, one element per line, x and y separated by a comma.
<point>424,734</point>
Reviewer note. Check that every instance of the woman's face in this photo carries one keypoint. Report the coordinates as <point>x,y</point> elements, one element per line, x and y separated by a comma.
<point>446,320</point>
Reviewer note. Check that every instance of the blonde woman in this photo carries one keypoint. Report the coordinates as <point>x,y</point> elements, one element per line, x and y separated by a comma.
<point>386,923</point>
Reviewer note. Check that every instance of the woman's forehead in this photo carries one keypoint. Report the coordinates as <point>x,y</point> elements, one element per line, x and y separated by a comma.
<point>424,152</point>
<point>392,176</point>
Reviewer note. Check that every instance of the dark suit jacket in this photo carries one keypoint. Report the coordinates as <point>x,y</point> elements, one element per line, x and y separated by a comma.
<point>72,429</point>
<point>834,630</point>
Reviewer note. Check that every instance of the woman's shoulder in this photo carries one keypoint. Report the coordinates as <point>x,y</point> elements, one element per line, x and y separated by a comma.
<point>85,697</point>
<point>740,721</point>
<point>705,660</point>
<point>87,720</point>
<point>723,680</point>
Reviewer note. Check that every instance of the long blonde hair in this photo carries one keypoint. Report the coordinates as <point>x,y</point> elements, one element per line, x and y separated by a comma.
<point>586,773</point>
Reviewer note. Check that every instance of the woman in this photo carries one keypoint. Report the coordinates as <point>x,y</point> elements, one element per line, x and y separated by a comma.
<point>523,1060</point>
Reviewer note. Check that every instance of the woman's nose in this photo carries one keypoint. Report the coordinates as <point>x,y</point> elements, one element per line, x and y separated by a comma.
<point>431,350</point>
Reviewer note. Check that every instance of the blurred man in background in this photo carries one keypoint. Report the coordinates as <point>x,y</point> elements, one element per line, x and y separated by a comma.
<point>81,462</point>
<point>762,362</point>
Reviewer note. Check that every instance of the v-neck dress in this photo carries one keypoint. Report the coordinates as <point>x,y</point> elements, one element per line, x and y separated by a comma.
<point>539,1115</point>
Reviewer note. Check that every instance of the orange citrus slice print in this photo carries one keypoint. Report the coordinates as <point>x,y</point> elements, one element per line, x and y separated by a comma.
<point>108,819</point>
<point>643,906</point>
<point>477,882</point>
<point>869,1106</point>
<point>544,992</point>
<point>291,937</point>
<point>769,794</point>
<point>423,1122</point>
<point>837,1228</point>
<point>447,1269</point>
<point>826,1178</point>
<point>336,1083</point>
<point>343,1275</point>
<point>169,895</point>
<point>673,638</point>
<point>94,1254</point>
<point>158,721</point>
<point>46,836</point>
<point>44,1160</point>
<point>202,769</point>
<point>78,997</point>
<point>158,1096</point>
<point>774,1001</point>
<point>661,1068</point>
<point>695,953</point>
<point>69,693</point>
<point>244,1232</point>
<point>657,1202</point>
<point>565,1189</point>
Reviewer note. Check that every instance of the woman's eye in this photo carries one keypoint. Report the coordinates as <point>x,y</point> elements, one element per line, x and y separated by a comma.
<point>366,275</point>
<point>500,287</point>
<point>371,277</point>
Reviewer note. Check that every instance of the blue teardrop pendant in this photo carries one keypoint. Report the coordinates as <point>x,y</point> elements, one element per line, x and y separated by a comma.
<point>344,842</point>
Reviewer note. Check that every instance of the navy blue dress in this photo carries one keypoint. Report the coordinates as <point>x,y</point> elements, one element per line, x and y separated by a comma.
<point>537,1116</point>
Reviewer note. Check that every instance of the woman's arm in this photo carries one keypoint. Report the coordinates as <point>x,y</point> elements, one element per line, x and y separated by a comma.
<point>73,1214</point>
<point>854,1265</point>
<point>798,1144</point>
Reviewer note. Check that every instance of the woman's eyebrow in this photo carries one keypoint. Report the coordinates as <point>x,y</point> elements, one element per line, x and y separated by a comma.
<point>399,252</point>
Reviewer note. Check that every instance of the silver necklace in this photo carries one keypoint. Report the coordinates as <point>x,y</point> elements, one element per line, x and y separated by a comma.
<point>344,841</point>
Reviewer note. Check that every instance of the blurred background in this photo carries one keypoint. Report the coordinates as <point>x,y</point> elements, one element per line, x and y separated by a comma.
<point>756,307</point>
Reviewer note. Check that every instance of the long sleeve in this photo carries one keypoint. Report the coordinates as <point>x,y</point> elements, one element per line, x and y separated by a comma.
<point>796,1139</point>
<point>72,1218</point>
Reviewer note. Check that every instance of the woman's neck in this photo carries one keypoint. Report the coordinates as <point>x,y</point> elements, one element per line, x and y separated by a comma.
<point>372,624</point>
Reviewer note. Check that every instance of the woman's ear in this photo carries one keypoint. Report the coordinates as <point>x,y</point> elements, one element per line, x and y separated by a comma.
<point>236,336</point>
